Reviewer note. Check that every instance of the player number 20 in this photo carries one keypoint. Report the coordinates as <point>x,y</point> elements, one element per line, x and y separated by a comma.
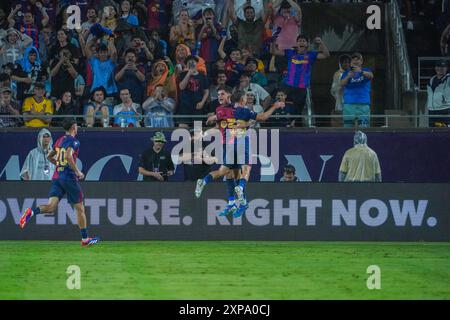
<point>61,156</point>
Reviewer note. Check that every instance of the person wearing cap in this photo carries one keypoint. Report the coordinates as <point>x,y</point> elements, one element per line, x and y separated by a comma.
<point>36,165</point>
<point>257,77</point>
<point>155,163</point>
<point>289,174</point>
<point>360,163</point>
<point>357,86</point>
<point>8,107</point>
<point>37,110</point>
<point>438,99</point>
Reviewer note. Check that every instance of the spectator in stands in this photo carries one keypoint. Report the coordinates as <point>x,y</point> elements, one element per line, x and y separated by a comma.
<point>37,110</point>
<point>250,30</point>
<point>289,109</point>
<point>183,30</point>
<point>220,80</point>
<point>357,84</point>
<point>438,100</point>
<point>127,113</point>
<point>97,112</point>
<point>8,107</point>
<point>233,65</point>
<point>181,53</point>
<point>255,77</point>
<point>6,81</point>
<point>142,50</point>
<point>208,38</point>
<point>13,45</point>
<point>337,90</point>
<point>126,15</point>
<point>109,19</point>
<point>28,25</point>
<point>155,164</point>
<point>161,45</point>
<point>159,109</point>
<point>92,18</point>
<point>63,43</point>
<point>103,65</point>
<point>262,97</point>
<point>289,174</point>
<point>289,25</point>
<point>46,39</point>
<point>232,41</point>
<point>300,63</point>
<point>36,165</point>
<point>131,76</point>
<point>65,105</point>
<point>360,163</point>
<point>63,73</point>
<point>32,70</point>
<point>162,75</point>
<point>247,53</point>
<point>193,92</point>
<point>157,13</point>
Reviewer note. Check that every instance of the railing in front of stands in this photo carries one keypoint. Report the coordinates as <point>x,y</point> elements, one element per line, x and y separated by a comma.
<point>282,121</point>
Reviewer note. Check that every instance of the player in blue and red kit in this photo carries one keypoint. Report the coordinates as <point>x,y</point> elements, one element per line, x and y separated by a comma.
<point>65,181</point>
<point>232,122</point>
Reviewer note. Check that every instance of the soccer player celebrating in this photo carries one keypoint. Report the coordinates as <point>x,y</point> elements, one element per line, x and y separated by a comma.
<point>232,122</point>
<point>65,180</point>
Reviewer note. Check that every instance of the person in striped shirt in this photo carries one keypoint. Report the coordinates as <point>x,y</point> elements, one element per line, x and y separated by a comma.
<point>300,63</point>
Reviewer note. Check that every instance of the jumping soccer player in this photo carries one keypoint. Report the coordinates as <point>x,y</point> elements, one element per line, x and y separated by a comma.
<point>233,120</point>
<point>65,180</point>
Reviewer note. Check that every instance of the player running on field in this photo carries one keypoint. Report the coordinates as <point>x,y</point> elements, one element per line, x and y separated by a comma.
<point>65,180</point>
<point>232,122</point>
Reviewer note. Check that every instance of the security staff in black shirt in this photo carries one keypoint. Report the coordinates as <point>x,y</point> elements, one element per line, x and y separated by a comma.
<point>155,163</point>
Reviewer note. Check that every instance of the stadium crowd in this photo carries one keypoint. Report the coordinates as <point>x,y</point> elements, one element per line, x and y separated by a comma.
<point>136,63</point>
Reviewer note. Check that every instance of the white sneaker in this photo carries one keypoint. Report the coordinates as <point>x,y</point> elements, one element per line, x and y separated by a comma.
<point>199,188</point>
<point>240,193</point>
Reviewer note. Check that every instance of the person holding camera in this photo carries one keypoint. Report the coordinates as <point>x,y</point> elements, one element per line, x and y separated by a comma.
<point>159,109</point>
<point>63,72</point>
<point>131,76</point>
<point>208,37</point>
<point>356,83</point>
<point>63,42</point>
<point>194,92</point>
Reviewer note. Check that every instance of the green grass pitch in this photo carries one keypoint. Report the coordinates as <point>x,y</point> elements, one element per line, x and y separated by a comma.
<point>224,270</point>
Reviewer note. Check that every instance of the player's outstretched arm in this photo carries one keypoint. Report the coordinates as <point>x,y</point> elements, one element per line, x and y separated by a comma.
<point>265,115</point>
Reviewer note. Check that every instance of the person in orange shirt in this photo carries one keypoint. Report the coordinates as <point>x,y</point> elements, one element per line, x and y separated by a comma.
<point>37,110</point>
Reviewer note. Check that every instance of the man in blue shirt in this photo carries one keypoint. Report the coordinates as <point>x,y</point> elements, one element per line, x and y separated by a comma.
<point>103,65</point>
<point>356,83</point>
